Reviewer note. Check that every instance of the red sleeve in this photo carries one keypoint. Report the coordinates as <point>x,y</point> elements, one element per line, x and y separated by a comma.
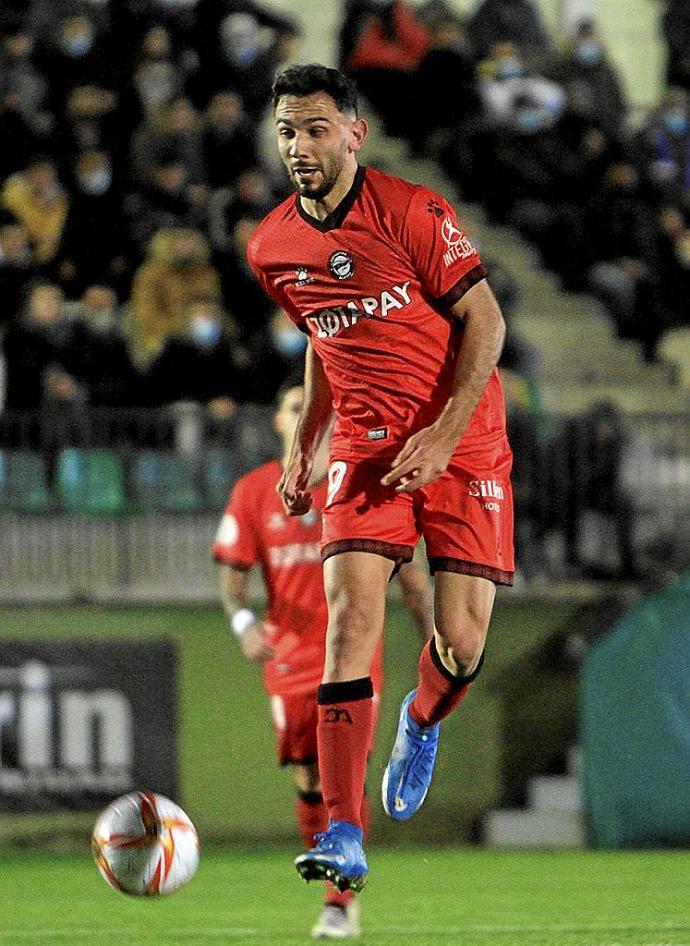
<point>445,260</point>
<point>236,542</point>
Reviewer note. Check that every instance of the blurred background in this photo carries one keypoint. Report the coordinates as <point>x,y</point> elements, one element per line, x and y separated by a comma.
<point>139,361</point>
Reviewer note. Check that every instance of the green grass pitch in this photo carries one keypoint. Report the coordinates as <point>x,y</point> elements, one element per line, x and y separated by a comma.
<point>424,897</point>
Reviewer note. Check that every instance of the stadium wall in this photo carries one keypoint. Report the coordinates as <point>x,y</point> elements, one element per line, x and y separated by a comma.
<point>229,781</point>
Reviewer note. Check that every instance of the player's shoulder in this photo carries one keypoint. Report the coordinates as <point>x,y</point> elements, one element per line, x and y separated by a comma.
<point>398,194</point>
<point>273,223</point>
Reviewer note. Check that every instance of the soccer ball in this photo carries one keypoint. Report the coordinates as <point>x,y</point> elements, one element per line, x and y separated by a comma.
<point>145,845</point>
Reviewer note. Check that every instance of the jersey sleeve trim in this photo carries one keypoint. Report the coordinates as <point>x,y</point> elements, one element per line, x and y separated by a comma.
<point>463,285</point>
<point>222,559</point>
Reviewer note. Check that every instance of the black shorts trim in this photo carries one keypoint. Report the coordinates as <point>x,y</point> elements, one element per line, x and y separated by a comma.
<point>284,760</point>
<point>474,569</point>
<point>400,554</point>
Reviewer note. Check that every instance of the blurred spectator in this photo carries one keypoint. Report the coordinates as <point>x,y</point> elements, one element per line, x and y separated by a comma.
<point>666,149</point>
<point>241,47</point>
<point>169,200</point>
<point>98,355</point>
<point>251,195</point>
<point>229,140</point>
<point>157,75</point>
<point>38,200</point>
<point>506,81</point>
<point>15,267</point>
<point>204,364</point>
<point>92,121</point>
<point>597,445</point>
<point>242,293</point>
<point>513,21</point>
<point>381,44</point>
<point>20,77</point>
<point>590,80</point>
<point>15,128</point>
<point>173,131</point>
<point>675,28</point>
<point>35,353</point>
<point>94,245</point>
<point>277,353</point>
<point>175,273</point>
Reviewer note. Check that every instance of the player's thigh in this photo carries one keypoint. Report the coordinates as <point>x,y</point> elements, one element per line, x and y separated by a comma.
<point>294,723</point>
<point>466,518</point>
<point>361,515</point>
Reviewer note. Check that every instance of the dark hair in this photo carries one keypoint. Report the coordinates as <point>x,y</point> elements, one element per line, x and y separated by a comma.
<point>313,77</point>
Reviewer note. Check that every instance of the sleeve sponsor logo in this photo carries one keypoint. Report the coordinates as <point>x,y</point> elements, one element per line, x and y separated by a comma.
<point>459,246</point>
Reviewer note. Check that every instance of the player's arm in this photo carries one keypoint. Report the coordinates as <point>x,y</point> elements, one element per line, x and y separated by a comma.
<point>250,631</point>
<point>313,424</point>
<point>418,597</point>
<point>427,453</point>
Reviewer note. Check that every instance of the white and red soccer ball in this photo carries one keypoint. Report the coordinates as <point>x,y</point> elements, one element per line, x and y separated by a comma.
<point>145,845</point>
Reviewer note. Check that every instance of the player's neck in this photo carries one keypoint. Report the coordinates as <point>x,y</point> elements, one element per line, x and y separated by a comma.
<point>324,207</point>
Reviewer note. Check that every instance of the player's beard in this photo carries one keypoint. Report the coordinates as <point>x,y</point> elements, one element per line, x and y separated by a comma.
<point>312,191</point>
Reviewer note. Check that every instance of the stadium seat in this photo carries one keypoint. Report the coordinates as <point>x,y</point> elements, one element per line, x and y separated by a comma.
<point>220,472</point>
<point>90,481</point>
<point>164,482</point>
<point>23,485</point>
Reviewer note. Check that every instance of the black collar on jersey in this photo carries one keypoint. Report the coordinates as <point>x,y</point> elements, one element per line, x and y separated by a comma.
<point>337,218</point>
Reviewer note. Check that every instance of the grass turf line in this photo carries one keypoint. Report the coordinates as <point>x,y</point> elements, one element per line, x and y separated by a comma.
<point>423,897</point>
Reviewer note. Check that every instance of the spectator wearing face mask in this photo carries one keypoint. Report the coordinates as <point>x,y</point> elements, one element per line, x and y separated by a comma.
<point>175,131</point>
<point>665,145</point>
<point>245,56</point>
<point>505,82</point>
<point>514,21</point>
<point>168,200</point>
<point>276,354</point>
<point>176,272</point>
<point>590,80</point>
<point>157,75</point>
<point>20,76</point>
<point>94,246</point>
<point>204,363</point>
<point>38,200</point>
<point>98,354</point>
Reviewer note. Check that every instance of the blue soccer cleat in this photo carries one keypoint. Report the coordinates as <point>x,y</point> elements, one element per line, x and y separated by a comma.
<point>411,765</point>
<point>337,856</point>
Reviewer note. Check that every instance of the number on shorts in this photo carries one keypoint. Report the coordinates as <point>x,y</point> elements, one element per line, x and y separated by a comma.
<point>336,475</point>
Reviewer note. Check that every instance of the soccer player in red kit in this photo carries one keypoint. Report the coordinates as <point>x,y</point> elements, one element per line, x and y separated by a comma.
<point>404,337</point>
<point>290,641</point>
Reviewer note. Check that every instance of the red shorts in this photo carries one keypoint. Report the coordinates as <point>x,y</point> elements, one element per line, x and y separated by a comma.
<point>465,516</point>
<point>295,717</point>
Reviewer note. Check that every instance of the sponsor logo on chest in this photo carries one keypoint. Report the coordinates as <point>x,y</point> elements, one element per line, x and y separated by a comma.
<point>330,321</point>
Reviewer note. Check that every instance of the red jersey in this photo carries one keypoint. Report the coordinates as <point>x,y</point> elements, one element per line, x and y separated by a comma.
<point>256,531</point>
<point>373,284</point>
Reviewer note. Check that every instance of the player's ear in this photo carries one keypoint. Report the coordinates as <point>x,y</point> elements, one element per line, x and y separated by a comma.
<point>358,134</point>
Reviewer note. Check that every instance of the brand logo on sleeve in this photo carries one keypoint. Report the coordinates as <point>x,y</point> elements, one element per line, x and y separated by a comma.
<point>459,247</point>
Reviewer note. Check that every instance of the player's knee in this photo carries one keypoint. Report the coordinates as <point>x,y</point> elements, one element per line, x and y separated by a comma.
<point>461,646</point>
<point>348,624</point>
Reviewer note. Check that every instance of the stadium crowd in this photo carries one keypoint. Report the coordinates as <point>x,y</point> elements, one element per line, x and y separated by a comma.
<point>132,176</point>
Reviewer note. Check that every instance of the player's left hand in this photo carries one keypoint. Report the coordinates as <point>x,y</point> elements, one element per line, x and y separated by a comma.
<point>423,459</point>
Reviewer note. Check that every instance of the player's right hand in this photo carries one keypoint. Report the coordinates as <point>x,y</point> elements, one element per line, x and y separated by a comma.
<point>255,647</point>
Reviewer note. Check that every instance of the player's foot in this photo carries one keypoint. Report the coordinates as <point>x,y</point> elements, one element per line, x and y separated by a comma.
<point>411,765</point>
<point>337,856</point>
<point>337,922</point>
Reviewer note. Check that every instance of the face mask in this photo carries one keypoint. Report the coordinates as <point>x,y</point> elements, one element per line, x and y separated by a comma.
<point>95,182</point>
<point>529,120</point>
<point>589,53</point>
<point>103,322</point>
<point>78,45</point>
<point>509,69</point>
<point>676,122</point>
<point>289,341</point>
<point>205,331</point>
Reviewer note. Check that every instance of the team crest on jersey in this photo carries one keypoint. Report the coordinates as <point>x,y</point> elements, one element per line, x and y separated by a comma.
<point>341,265</point>
<point>459,247</point>
<point>303,277</point>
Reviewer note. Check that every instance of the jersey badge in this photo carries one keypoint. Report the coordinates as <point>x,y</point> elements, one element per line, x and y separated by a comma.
<point>341,265</point>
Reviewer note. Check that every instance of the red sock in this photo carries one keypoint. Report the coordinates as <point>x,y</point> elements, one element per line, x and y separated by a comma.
<point>438,691</point>
<point>343,740</point>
